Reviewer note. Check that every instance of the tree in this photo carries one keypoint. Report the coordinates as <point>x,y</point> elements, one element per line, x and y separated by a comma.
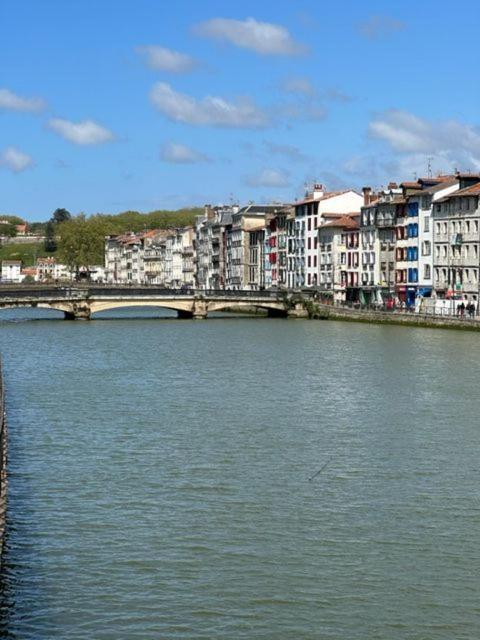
<point>81,242</point>
<point>9,230</point>
<point>61,215</point>
<point>50,240</point>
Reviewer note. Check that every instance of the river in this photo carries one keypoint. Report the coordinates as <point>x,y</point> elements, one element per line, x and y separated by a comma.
<point>162,480</point>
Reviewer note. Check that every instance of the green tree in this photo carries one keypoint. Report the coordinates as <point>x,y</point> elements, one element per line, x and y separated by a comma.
<point>61,215</point>
<point>50,240</point>
<point>81,242</point>
<point>8,230</point>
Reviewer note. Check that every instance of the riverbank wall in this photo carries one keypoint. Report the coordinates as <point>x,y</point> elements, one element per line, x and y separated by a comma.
<point>328,312</point>
<point>3,462</point>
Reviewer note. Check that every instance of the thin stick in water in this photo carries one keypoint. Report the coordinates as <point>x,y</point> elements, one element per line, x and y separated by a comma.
<point>320,470</point>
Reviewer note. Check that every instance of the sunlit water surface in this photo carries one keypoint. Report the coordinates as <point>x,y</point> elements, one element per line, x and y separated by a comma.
<point>161,480</point>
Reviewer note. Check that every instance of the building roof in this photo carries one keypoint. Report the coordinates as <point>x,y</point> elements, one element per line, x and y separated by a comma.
<point>345,221</point>
<point>326,196</point>
<point>473,190</point>
<point>261,208</point>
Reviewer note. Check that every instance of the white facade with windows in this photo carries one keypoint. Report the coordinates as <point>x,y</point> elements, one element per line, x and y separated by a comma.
<point>310,213</point>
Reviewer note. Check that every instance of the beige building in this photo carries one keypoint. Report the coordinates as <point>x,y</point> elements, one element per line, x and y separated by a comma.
<point>456,238</point>
<point>338,256</point>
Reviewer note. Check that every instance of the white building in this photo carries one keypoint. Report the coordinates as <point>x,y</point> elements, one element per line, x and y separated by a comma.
<point>244,257</point>
<point>12,271</point>
<point>432,190</point>
<point>210,245</point>
<point>309,215</point>
<point>456,241</point>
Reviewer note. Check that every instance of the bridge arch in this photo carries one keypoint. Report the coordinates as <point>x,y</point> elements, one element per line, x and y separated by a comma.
<point>181,306</point>
<point>273,307</point>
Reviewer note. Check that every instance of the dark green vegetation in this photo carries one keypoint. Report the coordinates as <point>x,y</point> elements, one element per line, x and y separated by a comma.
<point>27,253</point>
<point>10,228</point>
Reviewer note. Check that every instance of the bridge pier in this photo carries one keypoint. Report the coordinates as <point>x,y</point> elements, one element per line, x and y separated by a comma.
<point>297,311</point>
<point>78,312</point>
<point>200,310</point>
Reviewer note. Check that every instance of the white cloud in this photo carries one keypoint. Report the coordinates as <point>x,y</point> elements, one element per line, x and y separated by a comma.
<point>181,154</point>
<point>163,59</point>
<point>269,178</point>
<point>263,37</point>
<point>298,85</point>
<point>378,27</point>
<point>15,160</point>
<point>85,132</point>
<point>211,110</point>
<point>407,133</point>
<point>10,100</point>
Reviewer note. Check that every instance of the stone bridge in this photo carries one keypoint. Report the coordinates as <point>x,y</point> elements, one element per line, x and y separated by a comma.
<point>80,302</point>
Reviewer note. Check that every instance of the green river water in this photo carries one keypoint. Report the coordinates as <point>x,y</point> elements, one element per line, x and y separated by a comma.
<point>161,480</point>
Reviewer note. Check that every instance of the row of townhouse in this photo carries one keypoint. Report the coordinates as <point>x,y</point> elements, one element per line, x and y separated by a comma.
<point>416,239</point>
<point>411,239</point>
<point>160,256</point>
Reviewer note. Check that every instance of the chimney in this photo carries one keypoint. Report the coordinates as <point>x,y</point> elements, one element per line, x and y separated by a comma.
<point>318,191</point>
<point>367,195</point>
<point>209,211</point>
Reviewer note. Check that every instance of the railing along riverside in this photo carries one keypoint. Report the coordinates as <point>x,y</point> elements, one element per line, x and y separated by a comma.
<point>3,461</point>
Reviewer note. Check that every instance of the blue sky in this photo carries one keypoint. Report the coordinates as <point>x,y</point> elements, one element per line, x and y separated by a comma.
<point>110,105</point>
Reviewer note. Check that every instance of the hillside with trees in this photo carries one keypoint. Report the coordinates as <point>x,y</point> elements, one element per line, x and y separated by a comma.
<point>79,239</point>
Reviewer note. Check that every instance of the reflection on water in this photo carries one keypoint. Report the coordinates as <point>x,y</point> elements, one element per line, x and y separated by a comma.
<point>160,480</point>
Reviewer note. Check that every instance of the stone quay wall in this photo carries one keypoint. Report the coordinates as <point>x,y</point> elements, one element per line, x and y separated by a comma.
<point>329,312</point>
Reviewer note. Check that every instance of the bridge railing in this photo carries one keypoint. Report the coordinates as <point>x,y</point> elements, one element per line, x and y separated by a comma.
<point>82,291</point>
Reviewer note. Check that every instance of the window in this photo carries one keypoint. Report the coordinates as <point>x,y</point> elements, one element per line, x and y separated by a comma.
<point>426,223</point>
<point>426,248</point>
<point>309,225</point>
<point>427,272</point>
<point>413,209</point>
